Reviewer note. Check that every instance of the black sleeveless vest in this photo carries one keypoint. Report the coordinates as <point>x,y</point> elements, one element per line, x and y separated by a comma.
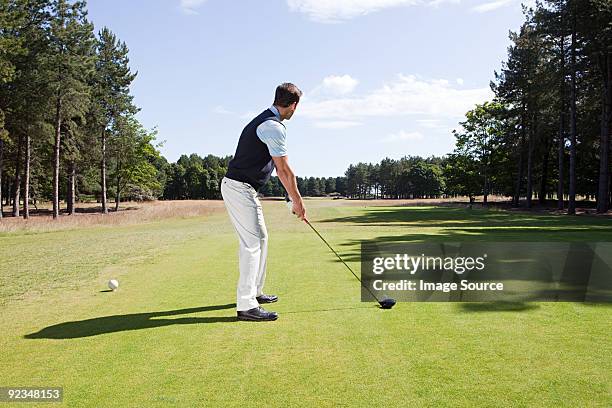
<point>252,162</point>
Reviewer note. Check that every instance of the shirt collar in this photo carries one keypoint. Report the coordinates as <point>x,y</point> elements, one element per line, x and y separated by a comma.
<point>275,111</point>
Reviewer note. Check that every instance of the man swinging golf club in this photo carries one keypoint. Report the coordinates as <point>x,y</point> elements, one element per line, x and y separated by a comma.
<point>261,148</point>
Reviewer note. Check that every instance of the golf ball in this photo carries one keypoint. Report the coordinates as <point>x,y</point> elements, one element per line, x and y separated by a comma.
<point>113,284</point>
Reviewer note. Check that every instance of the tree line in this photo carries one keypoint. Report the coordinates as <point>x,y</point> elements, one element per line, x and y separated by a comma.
<point>67,119</point>
<point>546,133</point>
<point>68,127</point>
<point>194,177</point>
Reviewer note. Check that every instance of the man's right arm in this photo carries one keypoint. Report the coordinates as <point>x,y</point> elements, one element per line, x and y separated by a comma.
<point>287,177</point>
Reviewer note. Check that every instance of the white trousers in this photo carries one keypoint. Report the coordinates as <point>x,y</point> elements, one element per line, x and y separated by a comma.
<point>246,214</point>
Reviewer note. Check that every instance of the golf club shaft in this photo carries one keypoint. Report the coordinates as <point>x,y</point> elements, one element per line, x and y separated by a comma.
<point>342,260</point>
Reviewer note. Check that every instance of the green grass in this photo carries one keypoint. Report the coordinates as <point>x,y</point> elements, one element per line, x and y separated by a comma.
<point>168,336</point>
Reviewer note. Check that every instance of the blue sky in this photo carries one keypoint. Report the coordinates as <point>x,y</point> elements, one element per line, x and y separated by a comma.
<point>381,78</point>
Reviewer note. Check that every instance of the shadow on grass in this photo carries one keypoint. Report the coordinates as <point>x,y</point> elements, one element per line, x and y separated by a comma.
<point>460,224</point>
<point>444,217</point>
<point>134,321</point>
<point>497,307</point>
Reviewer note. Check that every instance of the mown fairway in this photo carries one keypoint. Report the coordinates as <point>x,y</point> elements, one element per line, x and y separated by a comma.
<point>168,336</point>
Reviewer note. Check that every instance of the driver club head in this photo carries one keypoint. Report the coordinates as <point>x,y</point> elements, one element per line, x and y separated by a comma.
<point>387,303</point>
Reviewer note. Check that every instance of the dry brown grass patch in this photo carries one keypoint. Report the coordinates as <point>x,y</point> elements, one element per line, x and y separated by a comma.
<point>129,213</point>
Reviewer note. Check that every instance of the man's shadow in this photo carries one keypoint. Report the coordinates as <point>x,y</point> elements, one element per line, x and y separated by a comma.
<point>135,321</point>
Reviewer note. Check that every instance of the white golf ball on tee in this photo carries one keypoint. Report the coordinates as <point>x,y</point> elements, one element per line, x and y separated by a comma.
<point>113,284</point>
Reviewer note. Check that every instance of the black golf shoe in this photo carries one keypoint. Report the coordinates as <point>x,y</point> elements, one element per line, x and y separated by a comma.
<point>257,314</point>
<point>266,299</point>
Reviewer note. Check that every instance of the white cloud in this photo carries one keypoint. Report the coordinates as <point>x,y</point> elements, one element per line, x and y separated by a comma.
<point>490,6</point>
<point>406,95</point>
<point>336,124</point>
<point>436,3</point>
<point>460,81</point>
<point>403,136</point>
<point>190,6</point>
<point>326,11</point>
<point>221,110</point>
<point>334,11</point>
<point>333,85</point>
<point>339,84</point>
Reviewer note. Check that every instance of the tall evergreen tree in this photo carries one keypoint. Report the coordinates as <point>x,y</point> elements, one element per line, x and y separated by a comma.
<point>26,96</point>
<point>8,43</point>
<point>71,63</point>
<point>111,97</point>
<point>598,30</point>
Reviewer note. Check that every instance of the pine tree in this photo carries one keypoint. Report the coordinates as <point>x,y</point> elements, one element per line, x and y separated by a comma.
<point>26,96</point>
<point>597,29</point>
<point>111,95</point>
<point>71,63</point>
<point>8,43</point>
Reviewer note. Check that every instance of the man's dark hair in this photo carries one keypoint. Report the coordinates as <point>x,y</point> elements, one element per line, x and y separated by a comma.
<point>286,94</point>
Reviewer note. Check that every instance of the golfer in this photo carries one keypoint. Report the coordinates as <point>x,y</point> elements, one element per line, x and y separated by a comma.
<point>261,148</point>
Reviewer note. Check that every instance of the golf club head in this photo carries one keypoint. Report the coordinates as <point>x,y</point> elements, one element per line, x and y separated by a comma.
<point>387,303</point>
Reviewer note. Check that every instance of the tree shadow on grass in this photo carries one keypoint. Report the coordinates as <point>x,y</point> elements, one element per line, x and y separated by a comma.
<point>458,225</point>
<point>440,217</point>
<point>435,215</point>
<point>497,307</point>
<point>134,321</point>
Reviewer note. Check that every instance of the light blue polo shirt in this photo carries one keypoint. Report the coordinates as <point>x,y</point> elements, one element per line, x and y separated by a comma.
<point>274,135</point>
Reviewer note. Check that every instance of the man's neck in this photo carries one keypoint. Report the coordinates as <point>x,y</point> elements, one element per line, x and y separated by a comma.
<point>280,113</point>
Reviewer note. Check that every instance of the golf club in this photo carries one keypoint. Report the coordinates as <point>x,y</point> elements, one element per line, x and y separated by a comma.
<point>386,303</point>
